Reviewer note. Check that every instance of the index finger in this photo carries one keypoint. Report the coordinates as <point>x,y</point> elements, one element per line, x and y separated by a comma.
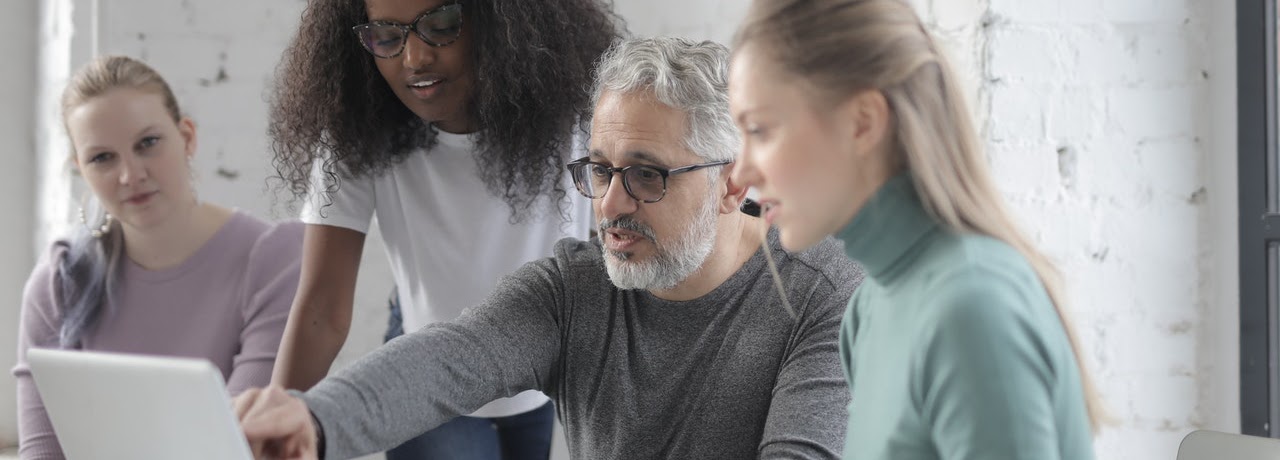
<point>244,401</point>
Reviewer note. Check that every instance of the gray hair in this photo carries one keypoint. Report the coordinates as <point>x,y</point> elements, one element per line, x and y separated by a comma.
<point>88,273</point>
<point>690,76</point>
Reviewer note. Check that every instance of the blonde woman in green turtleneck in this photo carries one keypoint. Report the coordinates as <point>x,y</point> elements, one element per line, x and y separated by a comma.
<point>956,345</point>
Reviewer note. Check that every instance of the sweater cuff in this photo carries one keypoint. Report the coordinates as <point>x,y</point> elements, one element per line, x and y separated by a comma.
<point>315,423</point>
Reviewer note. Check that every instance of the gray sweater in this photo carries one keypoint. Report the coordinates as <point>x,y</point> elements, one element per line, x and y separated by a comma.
<point>729,375</point>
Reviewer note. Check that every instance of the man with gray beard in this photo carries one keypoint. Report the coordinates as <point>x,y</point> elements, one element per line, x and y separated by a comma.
<point>663,338</point>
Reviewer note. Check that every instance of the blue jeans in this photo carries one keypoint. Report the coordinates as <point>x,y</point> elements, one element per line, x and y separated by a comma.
<point>524,436</point>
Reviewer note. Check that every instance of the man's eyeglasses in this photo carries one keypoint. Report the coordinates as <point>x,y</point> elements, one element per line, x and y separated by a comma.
<point>437,27</point>
<point>643,182</point>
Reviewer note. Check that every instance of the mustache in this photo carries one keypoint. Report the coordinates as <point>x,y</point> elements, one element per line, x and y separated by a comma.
<point>629,224</point>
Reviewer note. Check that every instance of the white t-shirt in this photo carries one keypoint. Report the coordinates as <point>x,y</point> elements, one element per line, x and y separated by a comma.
<point>448,238</point>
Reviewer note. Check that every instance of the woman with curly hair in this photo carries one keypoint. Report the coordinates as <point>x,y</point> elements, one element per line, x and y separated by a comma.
<point>449,121</point>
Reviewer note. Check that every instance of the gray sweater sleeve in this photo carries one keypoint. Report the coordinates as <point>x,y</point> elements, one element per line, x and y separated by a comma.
<point>807,413</point>
<point>507,344</point>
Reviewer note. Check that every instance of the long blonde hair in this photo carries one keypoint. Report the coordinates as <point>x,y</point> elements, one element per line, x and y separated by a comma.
<point>842,47</point>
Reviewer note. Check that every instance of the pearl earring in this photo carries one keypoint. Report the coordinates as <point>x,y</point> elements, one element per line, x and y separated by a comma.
<point>101,230</point>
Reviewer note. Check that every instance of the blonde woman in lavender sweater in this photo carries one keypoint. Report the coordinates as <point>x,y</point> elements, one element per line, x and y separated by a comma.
<point>156,271</point>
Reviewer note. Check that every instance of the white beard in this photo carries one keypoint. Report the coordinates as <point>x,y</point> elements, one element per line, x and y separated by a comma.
<point>669,266</point>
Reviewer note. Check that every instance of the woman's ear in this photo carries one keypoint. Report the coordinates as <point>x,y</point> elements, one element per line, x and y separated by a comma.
<point>187,127</point>
<point>866,114</point>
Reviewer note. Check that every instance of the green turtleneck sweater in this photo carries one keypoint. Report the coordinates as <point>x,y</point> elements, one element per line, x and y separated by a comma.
<point>951,346</point>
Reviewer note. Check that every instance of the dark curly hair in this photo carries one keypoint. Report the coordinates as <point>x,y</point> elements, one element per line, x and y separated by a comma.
<point>534,62</point>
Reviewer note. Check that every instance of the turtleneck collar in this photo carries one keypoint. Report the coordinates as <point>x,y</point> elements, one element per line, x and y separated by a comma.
<point>887,226</point>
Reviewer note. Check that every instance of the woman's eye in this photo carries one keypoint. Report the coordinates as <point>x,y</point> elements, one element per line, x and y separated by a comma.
<point>100,157</point>
<point>147,142</point>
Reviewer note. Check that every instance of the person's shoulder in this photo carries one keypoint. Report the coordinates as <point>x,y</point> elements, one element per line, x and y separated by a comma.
<point>281,239</point>
<point>572,251</point>
<point>956,252</point>
<point>977,313</point>
<point>983,279</point>
<point>286,232</point>
<point>47,265</point>
<point>247,227</point>
<point>274,259</point>
<point>572,265</point>
<point>268,242</point>
<point>573,261</point>
<point>43,282</point>
<point>827,260</point>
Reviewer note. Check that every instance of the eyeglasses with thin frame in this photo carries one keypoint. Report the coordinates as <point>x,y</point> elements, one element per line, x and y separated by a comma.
<point>644,183</point>
<point>438,27</point>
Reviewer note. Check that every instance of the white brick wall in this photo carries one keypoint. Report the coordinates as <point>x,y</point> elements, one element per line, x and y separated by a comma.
<point>1099,116</point>
<point>1119,91</point>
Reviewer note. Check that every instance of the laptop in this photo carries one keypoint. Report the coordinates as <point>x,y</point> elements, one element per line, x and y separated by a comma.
<point>118,406</point>
<point>1213,445</point>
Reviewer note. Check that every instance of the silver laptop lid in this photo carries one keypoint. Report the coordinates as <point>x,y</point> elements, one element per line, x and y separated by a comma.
<point>117,406</point>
